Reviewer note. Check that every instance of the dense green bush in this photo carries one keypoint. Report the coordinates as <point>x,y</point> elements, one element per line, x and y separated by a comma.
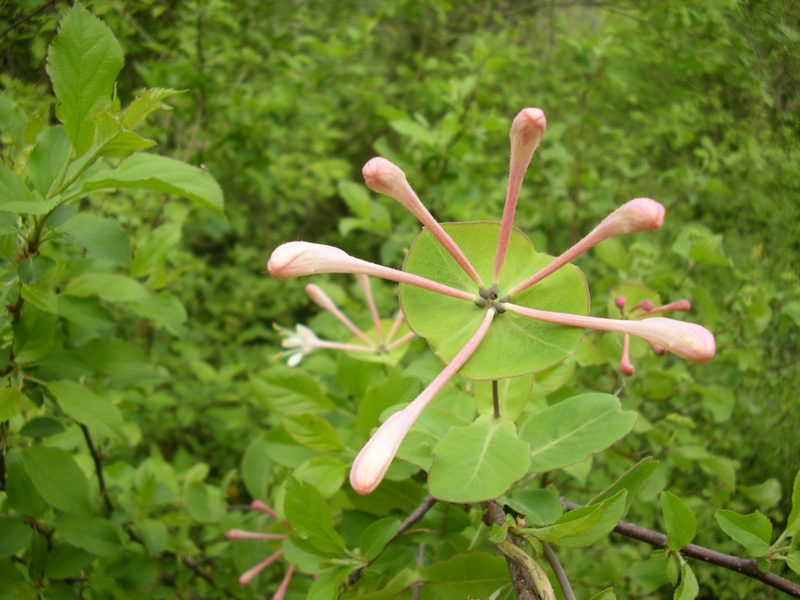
<point>144,409</point>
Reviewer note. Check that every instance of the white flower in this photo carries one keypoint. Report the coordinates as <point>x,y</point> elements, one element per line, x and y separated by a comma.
<point>298,343</point>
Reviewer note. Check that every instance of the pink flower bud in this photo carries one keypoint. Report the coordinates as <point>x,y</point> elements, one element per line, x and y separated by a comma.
<point>383,176</point>
<point>296,259</point>
<point>641,214</point>
<point>625,362</point>
<point>687,340</point>
<point>263,507</point>
<point>647,305</point>
<point>619,302</point>
<point>526,132</point>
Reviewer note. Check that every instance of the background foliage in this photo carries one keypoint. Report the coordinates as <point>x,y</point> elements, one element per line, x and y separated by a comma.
<point>696,104</point>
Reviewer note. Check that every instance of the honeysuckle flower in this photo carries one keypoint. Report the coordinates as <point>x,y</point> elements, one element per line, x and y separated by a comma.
<point>293,259</point>
<point>303,341</point>
<point>240,534</point>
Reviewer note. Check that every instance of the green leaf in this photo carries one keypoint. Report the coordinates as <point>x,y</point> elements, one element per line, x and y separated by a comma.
<point>606,594</point>
<point>58,478</point>
<point>793,560</point>
<point>413,130</point>
<point>162,308</point>
<point>299,552</point>
<point>34,335</point>
<point>539,506</point>
<point>289,392</point>
<point>111,287</point>
<point>514,345</point>
<point>573,429</point>
<point>766,494</point>
<point>93,534</point>
<point>154,534</point>
<point>12,189</point>
<point>202,506</point>
<point>83,62</point>
<point>257,468</point>
<point>14,536</point>
<point>152,250</point>
<point>41,427</point>
<point>21,493</point>
<point>326,473</point>
<point>153,172</point>
<point>679,520</point>
<point>47,159</point>
<point>11,401</point>
<point>13,121</point>
<point>382,394</point>
<point>326,586</point>
<point>632,480</point>
<point>31,269</point>
<point>67,561</point>
<point>41,297</point>
<point>102,237</point>
<point>313,432</point>
<point>478,462</point>
<point>512,394</point>
<point>613,509</point>
<point>793,522</point>
<point>145,103</point>
<point>753,531</point>
<point>466,575</point>
<point>96,412</point>
<point>310,517</point>
<point>111,141</point>
<point>377,535</point>
<point>356,197</point>
<point>688,589</point>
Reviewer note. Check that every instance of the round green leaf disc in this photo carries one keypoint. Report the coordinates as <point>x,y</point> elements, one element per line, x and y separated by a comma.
<point>515,345</point>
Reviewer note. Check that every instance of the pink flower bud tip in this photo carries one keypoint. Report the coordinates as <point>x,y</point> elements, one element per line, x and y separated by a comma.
<point>295,259</point>
<point>687,340</point>
<point>382,176</point>
<point>626,368</point>
<point>528,126</point>
<point>682,305</point>
<point>619,302</point>
<point>376,456</point>
<point>641,214</point>
<point>647,305</point>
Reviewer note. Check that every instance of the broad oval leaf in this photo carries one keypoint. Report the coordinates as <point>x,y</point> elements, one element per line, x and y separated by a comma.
<point>515,345</point>
<point>573,429</point>
<point>478,462</point>
<point>679,520</point>
<point>58,478</point>
<point>753,531</point>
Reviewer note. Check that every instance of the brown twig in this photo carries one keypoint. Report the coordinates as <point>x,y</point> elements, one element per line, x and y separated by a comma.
<point>745,566</point>
<point>561,575</point>
<point>98,467</point>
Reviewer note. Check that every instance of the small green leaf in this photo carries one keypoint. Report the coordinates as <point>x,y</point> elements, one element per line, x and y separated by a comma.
<point>11,401</point>
<point>47,159</point>
<point>753,531</point>
<point>93,534</point>
<point>606,594</point>
<point>162,174</point>
<point>111,141</point>
<point>688,589</point>
<point>326,586</point>
<point>310,517</point>
<point>257,468</point>
<point>21,493</point>
<point>145,103</point>
<point>289,392</point>
<point>478,462</point>
<point>313,432</point>
<point>202,506</point>
<point>152,250</point>
<point>326,473</point>
<point>102,237</point>
<point>12,189</point>
<point>34,335</point>
<point>67,561</point>
<point>793,560</point>
<point>679,520</point>
<point>41,296</point>
<point>539,506</point>
<point>30,270</point>
<point>86,407</point>
<point>154,534</point>
<point>573,429</point>
<point>162,308</point>
<point>766,494</point>
<point>382,394</point>
<point>13,121</point>
<point>413,130</point>
<point>377,535</point>
<point>83,62</point>
<point>41,427</point>
<point>14,536</point>
<point>356,197</point>
<point>793,522</point>
<point>613,509</point>
<point>111,287</point>
<point>58,478</point>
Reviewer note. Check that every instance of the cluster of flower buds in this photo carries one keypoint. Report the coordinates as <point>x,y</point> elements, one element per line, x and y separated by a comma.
<point>304,341</point>
<point>250,575</point>
<point>294,259</point>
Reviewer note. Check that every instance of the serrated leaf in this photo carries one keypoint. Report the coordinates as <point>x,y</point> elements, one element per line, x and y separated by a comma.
<point>103,237</point>
<point>313,432</point>
<point>753,531</point>
<point>11,401</point>
<point>58,478</point>
<point>111,141</point>
<point>93,534</point>
<point>688,589</point>
<point>311,518</point>
<point>514,345</point>
<point>679,520</point>
<point>377,535</point>
<point>145,103</point>
<point>96,412</point>
<point>793,560</point>
<point>793,522</point>
<point>83,62</point>
<point>478,462</point>
<point>163,174</point>
<point>573,429</point>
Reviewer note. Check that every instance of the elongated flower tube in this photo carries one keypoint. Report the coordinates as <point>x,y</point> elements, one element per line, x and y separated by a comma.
<point>322,300</point>
<point>526,134</point>
<point>241,534</point>
<point>363,282</point>
<point>280,593</point>
<point>687,340</point>
<point>640,214</point>
<point>375,457</point>
<point>296,259</point>
<point>249,575</point>
<point>387,178</point>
